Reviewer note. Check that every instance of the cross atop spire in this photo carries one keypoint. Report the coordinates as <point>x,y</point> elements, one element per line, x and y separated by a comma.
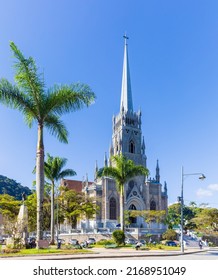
<point>126,92</point>
<point>125,38</point>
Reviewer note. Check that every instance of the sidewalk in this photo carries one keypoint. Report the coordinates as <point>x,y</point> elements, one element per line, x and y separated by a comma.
<point>101,253</point>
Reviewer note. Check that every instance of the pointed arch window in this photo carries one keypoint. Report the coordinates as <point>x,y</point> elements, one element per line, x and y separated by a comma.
<point>113,209</point>
<point>153,205</point>
<point>131,147</point>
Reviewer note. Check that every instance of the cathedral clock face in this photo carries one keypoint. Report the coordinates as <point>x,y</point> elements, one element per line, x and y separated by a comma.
<point>134,193</point>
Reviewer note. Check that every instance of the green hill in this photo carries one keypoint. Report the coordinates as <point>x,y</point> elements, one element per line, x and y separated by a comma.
<point>11,187</point>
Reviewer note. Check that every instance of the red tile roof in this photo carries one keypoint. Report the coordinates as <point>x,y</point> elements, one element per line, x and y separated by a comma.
<point>73,184</point>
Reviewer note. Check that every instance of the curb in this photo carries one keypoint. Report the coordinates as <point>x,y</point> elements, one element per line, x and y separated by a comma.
<point>102,255</point>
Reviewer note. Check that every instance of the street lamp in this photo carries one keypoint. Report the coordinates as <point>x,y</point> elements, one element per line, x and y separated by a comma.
<point>201,177</point>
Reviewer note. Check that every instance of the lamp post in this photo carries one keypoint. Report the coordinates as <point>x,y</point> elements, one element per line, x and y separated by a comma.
<point>181,199</point>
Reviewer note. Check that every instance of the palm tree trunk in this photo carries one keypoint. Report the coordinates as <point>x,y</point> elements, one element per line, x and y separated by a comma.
<point>40,183</point>
<point>122,209</point>
<point>52,214</point>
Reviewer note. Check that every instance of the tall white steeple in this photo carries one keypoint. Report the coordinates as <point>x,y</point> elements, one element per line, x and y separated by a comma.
<point>126,103</point>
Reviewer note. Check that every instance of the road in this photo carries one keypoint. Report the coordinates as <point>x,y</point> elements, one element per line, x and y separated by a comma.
<point>212,254</point>
<point>129,254</point>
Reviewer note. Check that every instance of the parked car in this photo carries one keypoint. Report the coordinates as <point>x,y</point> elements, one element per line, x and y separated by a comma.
<point>74,242</point>
<point>130,241</point>
<point>142,241</point>
<point>91,240</point>
<point>32,242</point>
<point>171,243</point>
<point>62,241</point>
<point>2,240</point>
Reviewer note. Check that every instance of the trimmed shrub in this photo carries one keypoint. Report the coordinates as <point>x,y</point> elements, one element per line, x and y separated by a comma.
<point>119,237</point>
<point>105,242</point>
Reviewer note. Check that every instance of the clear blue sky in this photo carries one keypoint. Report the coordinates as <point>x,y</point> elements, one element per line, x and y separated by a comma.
<point>173,55</point>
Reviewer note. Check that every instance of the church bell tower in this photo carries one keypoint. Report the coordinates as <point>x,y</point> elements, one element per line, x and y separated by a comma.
<point>127,135</point>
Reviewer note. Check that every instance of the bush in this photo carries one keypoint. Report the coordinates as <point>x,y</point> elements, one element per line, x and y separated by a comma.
<point>105,242</point>
<point>119,237</point>
<point>10,250</point>
<point>170,234</point>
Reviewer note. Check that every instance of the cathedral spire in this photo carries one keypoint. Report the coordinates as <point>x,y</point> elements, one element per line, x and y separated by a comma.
<point>143,146</point>
<point>105,160</point>
<point>126,103</point>
<point>96,171</point>
<point>157,173</point>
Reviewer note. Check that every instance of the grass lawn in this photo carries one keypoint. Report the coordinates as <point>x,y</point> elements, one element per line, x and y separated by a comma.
<point>54,250</point>
<point>51,250</point>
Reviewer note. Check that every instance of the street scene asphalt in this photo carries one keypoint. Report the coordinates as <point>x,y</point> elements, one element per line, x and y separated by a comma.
<point>102,253</point>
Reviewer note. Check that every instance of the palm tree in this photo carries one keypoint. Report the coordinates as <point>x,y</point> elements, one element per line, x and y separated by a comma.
<point>43,106</point>
<point>53,172</point>
<point>122,170</point>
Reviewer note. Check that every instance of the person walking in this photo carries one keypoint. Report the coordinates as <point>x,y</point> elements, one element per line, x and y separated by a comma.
<point>200,244</point>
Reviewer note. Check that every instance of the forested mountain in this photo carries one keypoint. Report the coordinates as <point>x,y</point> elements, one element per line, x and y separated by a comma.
<point>11,187</point>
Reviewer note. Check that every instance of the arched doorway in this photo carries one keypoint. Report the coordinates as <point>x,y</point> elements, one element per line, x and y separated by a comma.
<point>113,209</point>
<point>153,205</point>
<point>133,220</point>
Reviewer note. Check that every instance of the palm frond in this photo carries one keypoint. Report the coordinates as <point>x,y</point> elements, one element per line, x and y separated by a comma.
<point>111,172</point>
<point>122,170</point>
<point>26,76</point>
<point>53,168</point>
<point>12,97</point>
<point>56,127</point>
<point>64,99</point>
<point>137,170</point>
<point>67,173</point>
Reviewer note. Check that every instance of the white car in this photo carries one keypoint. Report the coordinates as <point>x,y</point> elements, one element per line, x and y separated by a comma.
<point>91,240</point>
<point>130,241</point>
<point>74,242</point>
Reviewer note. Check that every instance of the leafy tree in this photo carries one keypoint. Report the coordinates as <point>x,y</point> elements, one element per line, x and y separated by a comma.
<point>31,203</point>
<point>43,106</point>
<point>54,172</point>
<point>149,215</point>
<point>170,234</point>
<point>207,219</point>
<point>9,208</point>
<point>74,205</point>
<point>122,170</point>
<point>174,216</point>
<point>193,204</point>
<point>127,216</point>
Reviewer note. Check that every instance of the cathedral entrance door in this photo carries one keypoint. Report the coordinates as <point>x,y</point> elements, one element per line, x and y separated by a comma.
<point>133,220</point>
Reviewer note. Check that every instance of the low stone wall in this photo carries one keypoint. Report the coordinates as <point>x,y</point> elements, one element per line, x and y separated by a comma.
<point>81,237</point>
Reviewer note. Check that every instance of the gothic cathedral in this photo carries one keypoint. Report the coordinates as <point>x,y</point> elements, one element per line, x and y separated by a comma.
<point>140,193</point>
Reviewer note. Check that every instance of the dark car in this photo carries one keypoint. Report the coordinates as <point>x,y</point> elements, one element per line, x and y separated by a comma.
<point>32,242</point>
<point>171,243</point>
